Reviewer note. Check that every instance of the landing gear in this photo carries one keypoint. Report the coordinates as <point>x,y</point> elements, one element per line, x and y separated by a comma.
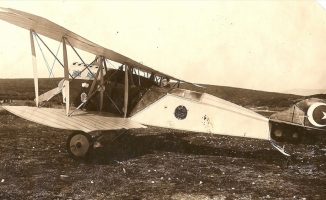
<point>79,144</point>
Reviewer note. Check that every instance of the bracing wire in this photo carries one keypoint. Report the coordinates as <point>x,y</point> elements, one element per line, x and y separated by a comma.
<point>81,59</point>
<point>50,69</point>
<point>55,59</point>
<point>47,64</point>
<point>51,51</point>
<point>110,63</point>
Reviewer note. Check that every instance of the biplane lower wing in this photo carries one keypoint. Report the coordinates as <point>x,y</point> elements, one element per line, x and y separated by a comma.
<point>80,120</point>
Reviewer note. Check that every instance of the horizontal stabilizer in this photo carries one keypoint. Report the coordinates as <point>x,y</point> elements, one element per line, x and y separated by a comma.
<point>83,121</point>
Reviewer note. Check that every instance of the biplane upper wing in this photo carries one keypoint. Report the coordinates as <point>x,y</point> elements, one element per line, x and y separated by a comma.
<point>49,29</point>
<point>83,121</point>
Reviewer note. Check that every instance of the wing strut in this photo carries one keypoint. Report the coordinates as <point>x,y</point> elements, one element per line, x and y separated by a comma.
<point>94,81</point>
<point>131,79</point>
<point>34,67</point>
<point>105,67</point>
<point>100,67</point>
<point>125,108</point>
<point>66,74</point>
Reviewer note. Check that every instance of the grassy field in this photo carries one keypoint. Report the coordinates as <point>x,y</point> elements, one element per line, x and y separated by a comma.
<point>23,89</point>
<point>156,163</point>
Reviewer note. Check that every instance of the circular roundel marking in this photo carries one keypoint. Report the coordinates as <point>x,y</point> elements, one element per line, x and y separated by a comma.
<point>180,112</point>
<point>317,114</point>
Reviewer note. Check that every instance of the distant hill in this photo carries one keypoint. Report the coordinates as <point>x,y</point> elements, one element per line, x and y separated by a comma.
<point>248,98</point>
<point>23,89</point>
<point>319,96</point>
<point>305,92</point>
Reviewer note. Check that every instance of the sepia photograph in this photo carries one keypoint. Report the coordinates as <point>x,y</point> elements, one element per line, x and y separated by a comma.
<point>181,100</point>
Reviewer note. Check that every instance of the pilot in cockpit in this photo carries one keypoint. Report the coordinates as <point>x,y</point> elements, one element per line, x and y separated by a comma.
<point>165,82</point>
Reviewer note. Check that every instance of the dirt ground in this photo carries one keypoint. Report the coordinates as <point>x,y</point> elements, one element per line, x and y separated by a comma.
<point>154,163</point>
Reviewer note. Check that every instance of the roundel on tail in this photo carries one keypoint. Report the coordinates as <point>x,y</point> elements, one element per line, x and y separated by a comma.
<point>317,114</point>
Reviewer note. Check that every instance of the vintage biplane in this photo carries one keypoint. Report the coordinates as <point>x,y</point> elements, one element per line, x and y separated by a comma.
<point>101,98</point>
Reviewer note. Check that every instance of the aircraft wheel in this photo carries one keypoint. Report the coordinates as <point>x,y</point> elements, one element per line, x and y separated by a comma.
<point>278,133</point>
<point>79,144</point>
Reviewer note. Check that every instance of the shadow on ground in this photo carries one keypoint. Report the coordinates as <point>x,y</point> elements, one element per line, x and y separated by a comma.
<point>129,146</point>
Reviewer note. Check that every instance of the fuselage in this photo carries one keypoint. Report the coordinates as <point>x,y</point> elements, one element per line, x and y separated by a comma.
<point>173,108</point>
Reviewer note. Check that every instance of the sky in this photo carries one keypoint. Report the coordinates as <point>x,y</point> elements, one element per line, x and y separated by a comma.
<point>262,45</point>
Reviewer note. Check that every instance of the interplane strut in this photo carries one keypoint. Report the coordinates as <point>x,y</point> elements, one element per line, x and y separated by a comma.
<point>34,67</point>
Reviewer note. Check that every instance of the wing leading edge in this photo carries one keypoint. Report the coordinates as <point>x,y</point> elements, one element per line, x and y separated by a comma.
<point>83,121</point>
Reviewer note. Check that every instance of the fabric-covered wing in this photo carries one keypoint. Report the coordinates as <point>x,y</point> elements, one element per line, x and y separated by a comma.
<point>80,120</point>
<point>56,32</point>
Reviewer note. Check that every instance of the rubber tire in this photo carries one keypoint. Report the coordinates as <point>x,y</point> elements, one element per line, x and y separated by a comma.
<point>83,145</point>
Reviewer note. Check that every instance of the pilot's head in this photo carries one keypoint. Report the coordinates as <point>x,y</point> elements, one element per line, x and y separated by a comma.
<point>165,81</point>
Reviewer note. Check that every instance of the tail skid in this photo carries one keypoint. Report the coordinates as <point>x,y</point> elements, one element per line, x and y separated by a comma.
<point>280,149</point>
